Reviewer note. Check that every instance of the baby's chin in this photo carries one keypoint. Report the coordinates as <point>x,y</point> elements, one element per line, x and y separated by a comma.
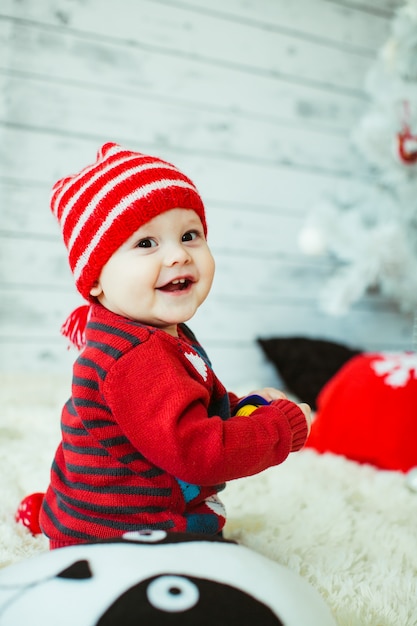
<point>172,327</point>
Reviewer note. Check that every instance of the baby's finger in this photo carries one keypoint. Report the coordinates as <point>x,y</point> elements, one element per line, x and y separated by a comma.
<point>306,409</point>
<point>270,393</point>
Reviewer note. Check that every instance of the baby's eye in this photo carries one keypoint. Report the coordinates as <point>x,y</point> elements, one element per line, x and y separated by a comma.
<point>146,243</point>
<point>190,235</point>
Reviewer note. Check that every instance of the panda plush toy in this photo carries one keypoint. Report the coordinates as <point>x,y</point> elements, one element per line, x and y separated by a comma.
<point>157,578</point>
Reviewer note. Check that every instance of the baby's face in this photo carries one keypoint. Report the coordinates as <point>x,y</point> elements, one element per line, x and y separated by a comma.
<point>161,274</point>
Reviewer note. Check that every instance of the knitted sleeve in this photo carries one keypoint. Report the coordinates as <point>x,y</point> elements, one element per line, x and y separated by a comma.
<point>162,410</point>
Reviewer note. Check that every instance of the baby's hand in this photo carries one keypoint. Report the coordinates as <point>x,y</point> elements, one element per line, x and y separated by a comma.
<point>271,394</point>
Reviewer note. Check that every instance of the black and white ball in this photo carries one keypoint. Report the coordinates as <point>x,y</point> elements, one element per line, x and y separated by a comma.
<point>157,579</point>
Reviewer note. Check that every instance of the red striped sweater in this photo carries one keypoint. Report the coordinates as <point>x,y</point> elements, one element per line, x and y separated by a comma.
<point>146,437</point>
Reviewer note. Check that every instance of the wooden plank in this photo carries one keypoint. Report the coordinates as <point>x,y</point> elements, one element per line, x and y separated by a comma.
<point>24,210</point>
<point>68,109</point>
<point>264,184</point>
<point>300,18</point>
<point>181,35</point>
<point>34,262</point>
<point>268,280</point>
<point>65,54</point>
<point>222,92</point>
<point>183,83</point>
<point>35,312</point>
<point>253,234</point>
<point>384,8</point>
<point>36,357</point>
<point>304,18</point>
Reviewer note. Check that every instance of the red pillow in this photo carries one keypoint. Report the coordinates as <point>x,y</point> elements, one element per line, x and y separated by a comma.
<point>367,411</point>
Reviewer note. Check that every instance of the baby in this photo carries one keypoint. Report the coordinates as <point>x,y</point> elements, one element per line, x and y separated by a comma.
<point>149,435</point>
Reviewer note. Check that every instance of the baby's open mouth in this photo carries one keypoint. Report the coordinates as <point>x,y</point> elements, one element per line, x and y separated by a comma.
<point>180,284</point>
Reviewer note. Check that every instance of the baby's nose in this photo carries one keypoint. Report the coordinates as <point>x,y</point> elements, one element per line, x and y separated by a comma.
<point>176,253</point>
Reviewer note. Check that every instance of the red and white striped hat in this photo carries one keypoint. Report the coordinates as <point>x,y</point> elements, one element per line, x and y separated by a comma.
<point>100,207</point>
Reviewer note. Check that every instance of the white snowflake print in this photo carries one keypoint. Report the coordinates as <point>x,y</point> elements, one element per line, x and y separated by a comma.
<point>216,505</point>
<point>397,368</point>
<point>198,363</point>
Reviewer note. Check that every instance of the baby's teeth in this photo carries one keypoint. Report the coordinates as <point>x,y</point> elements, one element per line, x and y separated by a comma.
<point>180,280</point>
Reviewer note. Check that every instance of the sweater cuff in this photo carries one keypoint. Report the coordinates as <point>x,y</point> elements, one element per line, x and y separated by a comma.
<point>297,422</point>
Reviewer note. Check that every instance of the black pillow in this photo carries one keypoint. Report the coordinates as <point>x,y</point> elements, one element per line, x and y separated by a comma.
<point>305,364</point>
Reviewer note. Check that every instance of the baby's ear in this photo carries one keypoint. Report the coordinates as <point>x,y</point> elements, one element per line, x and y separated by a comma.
<point>96,290</point>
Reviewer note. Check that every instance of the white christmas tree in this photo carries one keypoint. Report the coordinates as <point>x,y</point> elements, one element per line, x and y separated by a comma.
<point>373,234</point>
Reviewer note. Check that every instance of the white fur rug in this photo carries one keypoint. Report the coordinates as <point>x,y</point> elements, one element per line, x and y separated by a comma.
<point>350,530</point>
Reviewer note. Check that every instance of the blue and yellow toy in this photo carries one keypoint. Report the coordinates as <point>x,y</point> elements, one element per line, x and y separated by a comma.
<point>249,404</point>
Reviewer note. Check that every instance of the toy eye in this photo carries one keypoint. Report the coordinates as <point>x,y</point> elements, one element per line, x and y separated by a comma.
<point>173,594</point>
<point>80,570</point>
<point>145,536</point>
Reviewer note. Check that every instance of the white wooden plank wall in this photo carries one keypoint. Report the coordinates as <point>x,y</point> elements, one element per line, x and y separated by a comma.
<point>253,99</point>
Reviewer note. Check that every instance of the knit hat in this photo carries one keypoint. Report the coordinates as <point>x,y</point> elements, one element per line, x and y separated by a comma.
<point>367,411</point>
<point>100,207</point>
